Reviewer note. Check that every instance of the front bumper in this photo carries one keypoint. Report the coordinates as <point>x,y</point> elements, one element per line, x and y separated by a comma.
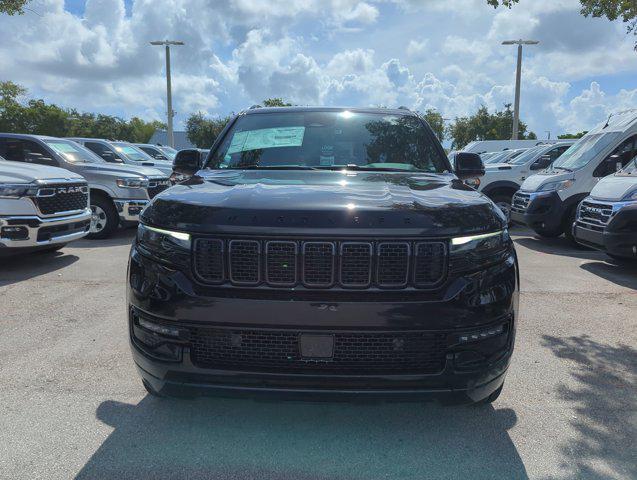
<point>544,211</point>
<point>464,306</point>
<point>618,238</point>
<point>129,210</point>
<point>43,232</point>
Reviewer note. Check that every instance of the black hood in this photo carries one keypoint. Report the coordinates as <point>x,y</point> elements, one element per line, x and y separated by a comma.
<point>378,203</point>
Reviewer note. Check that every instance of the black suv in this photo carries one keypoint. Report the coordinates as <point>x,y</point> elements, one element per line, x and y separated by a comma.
<point>324,251</point>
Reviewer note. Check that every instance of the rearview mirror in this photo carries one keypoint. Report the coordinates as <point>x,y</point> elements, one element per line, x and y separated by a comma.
<point>541,163</point>
<point>468,165</point>
<point>187,162</point>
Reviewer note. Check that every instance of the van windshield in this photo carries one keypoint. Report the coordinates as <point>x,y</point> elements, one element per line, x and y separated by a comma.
<point>585,150</point>
<point>330,140</point>
<point>73,152</point>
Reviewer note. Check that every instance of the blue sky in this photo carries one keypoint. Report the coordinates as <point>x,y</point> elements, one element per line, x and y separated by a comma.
<point>444,54</point>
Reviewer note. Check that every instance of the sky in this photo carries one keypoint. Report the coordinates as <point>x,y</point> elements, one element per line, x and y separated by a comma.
<point>95,56</point>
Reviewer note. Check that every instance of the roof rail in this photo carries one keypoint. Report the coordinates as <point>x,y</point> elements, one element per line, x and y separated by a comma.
<point>255,106</point>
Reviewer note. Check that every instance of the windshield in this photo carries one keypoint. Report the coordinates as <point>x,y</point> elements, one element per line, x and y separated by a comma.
<point>526,156</point>
<point>630,168</point>
<point>73,152</point>
<point>131,152</point>
<point>169,152</point>
<point>497,158</point>
<point>324,139</point>
<point>585,150</point>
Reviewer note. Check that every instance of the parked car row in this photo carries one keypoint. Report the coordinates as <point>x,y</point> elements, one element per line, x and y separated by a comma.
<point>590,192</point>
<point>56,190</point>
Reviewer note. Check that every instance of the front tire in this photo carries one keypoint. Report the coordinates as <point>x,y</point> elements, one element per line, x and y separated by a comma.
<point>104,218</point>
<point>504,202</point>
<point>545,233</point>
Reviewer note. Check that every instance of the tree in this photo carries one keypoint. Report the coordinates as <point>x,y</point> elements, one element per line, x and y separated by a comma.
<point>203,131</point>
<point>275,102</point>
<point>436,122</point>
<point>611,9</point>
<point>485,126</point>
<point>13,7</point>
<point>572,135</point>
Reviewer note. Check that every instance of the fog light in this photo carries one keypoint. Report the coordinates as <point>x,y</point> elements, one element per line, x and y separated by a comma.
<point>481,335</point>
<point>14,233</point>
<point>160,329</point>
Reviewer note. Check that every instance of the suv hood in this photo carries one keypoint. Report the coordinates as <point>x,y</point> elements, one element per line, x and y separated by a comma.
<point>119,170</point>
<point>534,182</point>
<point>614,187</point>
<point>17,172</point>
<point>315,201</point>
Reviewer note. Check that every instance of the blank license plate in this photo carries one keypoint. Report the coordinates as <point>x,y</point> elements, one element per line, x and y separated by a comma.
<point>316,346</point>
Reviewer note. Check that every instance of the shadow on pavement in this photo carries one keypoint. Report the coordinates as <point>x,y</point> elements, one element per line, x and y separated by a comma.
<point>123,236</point>
<point>623,275</point>
<point>604,401</point>
<point>246,439</point>
<point>30,265</point>
<point>559,246</point>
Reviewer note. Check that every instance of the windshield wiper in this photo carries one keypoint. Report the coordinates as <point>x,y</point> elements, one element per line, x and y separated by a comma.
<point>363,168</point>
<point>272,167</point>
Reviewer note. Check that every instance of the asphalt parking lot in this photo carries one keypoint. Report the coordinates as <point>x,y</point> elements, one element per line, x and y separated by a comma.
<point>72,405</point>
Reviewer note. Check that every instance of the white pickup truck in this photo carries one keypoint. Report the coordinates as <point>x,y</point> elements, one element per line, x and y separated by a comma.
<point>41,207</point>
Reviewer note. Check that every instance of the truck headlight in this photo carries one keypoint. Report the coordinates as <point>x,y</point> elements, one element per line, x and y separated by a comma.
<point>131,183</point>
<point>556,186</point>
<point>17,190</point>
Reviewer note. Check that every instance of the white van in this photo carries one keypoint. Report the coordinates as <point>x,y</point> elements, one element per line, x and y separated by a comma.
<point>547,201</point>
<point>607,219</point>
<point>484,146</point>
<point>501,180</point>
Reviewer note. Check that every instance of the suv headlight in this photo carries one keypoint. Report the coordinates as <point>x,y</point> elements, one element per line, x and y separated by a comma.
<point>17,191</point>
<point>475,252</point>
<point>165,245</point>
<point>556,186</point>
<point>132,183</point>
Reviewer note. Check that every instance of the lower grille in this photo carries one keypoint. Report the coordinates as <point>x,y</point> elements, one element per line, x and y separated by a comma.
<point>63,197</point>
<point>48,233</point>
<point>363,353</point>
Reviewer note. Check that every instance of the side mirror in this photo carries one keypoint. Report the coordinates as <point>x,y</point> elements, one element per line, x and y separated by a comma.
<point>468,165</point>
<point>542,162</point>
<point>41,159</point>
<point>187,162</point>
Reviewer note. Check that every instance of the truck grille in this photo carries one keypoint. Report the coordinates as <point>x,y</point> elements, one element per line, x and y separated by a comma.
<point>354,352</point>
<point>520,202</point>
<point>155,187</point>
<point>320,264</point>
<point>61,197</point>
<point>594,215</point>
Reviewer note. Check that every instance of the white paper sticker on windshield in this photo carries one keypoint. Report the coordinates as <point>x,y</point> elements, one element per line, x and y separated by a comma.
<point>267,138</point>
<point>62,147</point>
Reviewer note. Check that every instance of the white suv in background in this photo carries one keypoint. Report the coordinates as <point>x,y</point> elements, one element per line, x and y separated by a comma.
<point>502,180</point>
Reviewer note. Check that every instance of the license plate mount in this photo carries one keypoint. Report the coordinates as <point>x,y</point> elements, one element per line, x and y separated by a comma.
<point>316,346</point>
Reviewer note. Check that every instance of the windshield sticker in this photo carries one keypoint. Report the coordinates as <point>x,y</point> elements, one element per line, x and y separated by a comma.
<point>266,138</point>
<point>63,147</point>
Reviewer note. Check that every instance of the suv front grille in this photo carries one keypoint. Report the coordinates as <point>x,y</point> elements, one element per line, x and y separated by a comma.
<point>354,352</point>
<point>315,264</point>
<point>520,202</point>
<point>594,215</point>
<point>61,197</point>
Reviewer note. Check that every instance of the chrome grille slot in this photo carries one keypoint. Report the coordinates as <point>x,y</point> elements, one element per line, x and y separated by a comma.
<point>244,261</point>
<point>281,263</point>
<point>429,264</point>
<point>318,264</point>
<point>356,264</point>
<point>393,264</point>
<point>208,258</point>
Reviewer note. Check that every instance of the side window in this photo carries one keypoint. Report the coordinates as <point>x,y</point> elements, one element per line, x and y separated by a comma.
<point>103,151</point>
<point>622,155</point>
<point>154,153</point>
<point>557,152</point>
<point>19,150</point>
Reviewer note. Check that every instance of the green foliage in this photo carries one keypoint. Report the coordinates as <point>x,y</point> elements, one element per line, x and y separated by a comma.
<point>13,7</point>
<point>275,102</point>
<point>573,135</point>
<point>436,122</point>
<point>203,131</point>
<point>485,126</point>
<point>38,117</point>
<point>626,10</point>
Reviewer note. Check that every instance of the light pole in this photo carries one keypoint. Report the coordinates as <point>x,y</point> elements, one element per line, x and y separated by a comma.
<point>169,94</point>
<point>518,75</point>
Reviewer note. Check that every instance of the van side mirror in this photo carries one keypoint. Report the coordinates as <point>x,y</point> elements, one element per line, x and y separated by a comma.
<point>187,162</point>
<point>541,163</point>
<point>468,165</point>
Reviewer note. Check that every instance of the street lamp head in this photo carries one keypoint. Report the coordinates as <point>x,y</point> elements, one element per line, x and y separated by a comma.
<point>520,42</point>
<point>166,42</point>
